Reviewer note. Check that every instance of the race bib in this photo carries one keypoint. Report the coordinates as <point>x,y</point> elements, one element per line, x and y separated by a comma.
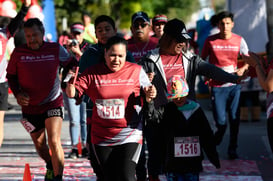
<point>110,108</point>
<point>27,125</point>
<point>186,146</point>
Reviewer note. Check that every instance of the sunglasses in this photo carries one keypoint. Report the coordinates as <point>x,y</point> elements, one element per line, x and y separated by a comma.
<point>143,25</point>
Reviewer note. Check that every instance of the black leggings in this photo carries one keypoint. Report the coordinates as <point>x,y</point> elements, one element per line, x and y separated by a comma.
<point>118,162</point>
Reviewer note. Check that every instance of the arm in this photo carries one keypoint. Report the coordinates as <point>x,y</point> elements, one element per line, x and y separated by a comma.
<point>214,72</point>
<point>243,50</point>
<point>70,90</point>
<point>16,22</point>
<point>21,97</point>
<point>66,60</point>
<point>266,81</point>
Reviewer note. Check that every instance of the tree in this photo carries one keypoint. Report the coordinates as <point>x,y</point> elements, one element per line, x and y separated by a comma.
<point>121,10</point>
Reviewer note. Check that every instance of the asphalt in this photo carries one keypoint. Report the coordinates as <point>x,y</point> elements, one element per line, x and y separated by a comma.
<point>255,162</point>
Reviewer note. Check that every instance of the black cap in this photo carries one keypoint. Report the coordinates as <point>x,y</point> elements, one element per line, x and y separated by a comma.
<point>176,29</point>
<point>140,15</point>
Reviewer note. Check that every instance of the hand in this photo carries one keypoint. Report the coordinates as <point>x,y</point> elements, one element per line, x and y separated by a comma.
<point>22,99</point>
<point>151,76</point>
<point>27,3</point>
<point>241,71</point>
<point>150,92</point>
<point>242,77</point>
<point>252,59</point>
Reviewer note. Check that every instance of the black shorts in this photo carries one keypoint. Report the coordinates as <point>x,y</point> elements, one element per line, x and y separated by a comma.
<point>4,88</point>
<point>35,122</point>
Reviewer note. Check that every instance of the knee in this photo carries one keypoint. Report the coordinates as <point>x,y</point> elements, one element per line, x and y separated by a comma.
<point>74,123</point>
<point>54,143</point>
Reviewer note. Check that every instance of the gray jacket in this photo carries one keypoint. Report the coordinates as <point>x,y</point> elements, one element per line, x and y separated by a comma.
<point>193,66</point>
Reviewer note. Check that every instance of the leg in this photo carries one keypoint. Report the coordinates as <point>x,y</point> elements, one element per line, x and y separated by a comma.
<point>2,114</point>
<point>234,121</point>
<point>102,154</point>
<point>270,132</point>
<point>74,118</point>
<point>124,158</point>
<point>83,124</point>
<point>53,126</point>
<point>219,100</point>
<point>73,111</point>
<point>141,171</point>
<point>154,157</point>
<point>39,140</point>
<point>256,106</point>
<point>3,106</point>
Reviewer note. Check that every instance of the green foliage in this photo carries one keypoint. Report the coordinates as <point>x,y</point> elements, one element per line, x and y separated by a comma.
<point>219,5</point>
<point>120,10</point>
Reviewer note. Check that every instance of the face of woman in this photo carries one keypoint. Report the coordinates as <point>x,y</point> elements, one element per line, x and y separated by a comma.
<point>115,57</point>
<point>177,47</point>
<point>174,47</point>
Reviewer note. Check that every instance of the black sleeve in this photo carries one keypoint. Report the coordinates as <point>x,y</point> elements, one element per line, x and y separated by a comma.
<point>211,71</point>
<point>147,64</point>
<point>207,140</point>
<point>18,20</point>
<point>151,114</point>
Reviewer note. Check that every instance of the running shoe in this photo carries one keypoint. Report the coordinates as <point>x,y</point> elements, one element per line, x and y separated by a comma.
<point>49,175</point>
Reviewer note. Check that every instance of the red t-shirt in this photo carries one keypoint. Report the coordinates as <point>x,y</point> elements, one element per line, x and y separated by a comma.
<point>37,73</point>
<point>172,65</point>
<point>115,96</point>
<point>223,53</point>
<point>139,49</point>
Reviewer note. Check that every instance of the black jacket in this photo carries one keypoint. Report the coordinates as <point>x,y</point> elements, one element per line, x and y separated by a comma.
<point>174,124</point>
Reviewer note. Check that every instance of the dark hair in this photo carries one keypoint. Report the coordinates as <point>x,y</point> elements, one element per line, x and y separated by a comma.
<point>115,40</point>
<point>224,14</point>
<point>85,13</point>
<point>214,20</point>
<point>34,21</point>
<point>106,18</point>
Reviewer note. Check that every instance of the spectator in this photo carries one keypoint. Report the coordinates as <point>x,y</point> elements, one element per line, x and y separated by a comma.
<point>159,22</point>
<point>185,133</point>
<point>114,85</point>
<point>76,113</point>
<point>223,49</point>
<point>89,28</point>
<point>32,76</point>
<point>6,33</point>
